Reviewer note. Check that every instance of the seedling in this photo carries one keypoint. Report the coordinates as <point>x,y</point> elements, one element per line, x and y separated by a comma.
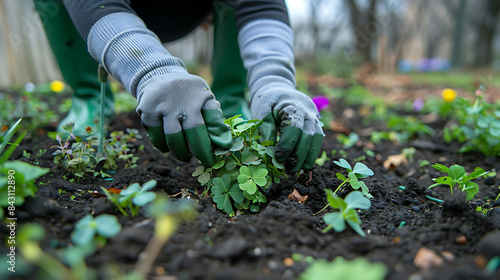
<point>167,215</point>
<point>322,159</point>
<point>77,158</point>
<point>457,175</point>
<point>359,171</point>
<point>81,157</point>
<point>132,197</point>
<point>354,200</point>
<point>478,124</point>
<point>242,175</point>
<point>358,268</point>
<point>17,178</point>
<point>348,140</point>
<point>105,226</point>
<point>28,239</point>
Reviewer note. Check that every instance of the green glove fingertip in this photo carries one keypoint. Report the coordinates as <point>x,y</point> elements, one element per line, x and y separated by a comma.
<point>178,146</point>
<point>314,151</point>
<point>157,137</point>
<point>200,144</point>
<point>288,141</point>
<point>218,131</point>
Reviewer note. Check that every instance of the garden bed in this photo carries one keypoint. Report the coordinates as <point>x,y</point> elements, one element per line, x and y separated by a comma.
<point>276,242</point>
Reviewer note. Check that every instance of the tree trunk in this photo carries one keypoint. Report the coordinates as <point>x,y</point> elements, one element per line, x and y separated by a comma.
<point>362,23</point>
<point>486,33</point>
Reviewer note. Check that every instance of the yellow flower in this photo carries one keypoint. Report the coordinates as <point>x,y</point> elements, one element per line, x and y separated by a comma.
<point>449,94</point>
<point>56,86</point>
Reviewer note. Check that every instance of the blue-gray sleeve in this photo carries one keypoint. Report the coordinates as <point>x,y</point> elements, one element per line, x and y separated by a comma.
<point>85,13</point>
<point>250,10</point>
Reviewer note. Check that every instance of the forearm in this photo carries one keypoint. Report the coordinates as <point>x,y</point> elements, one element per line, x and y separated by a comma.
<point>129,51</point>
<point>265,39</point>
<point>267,51</point>
<point>86,13</point>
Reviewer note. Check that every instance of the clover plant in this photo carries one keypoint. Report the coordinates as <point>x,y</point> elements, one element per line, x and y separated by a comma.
<point>242,175</point>
<point>457,175</point>
<point>132,197</point>
<point>17,178</point>
<point>359,171</point>
<point>347,214</point>
<point>105,226</point>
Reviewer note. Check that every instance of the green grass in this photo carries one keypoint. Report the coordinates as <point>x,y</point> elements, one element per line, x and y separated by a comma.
<point>464,80</point>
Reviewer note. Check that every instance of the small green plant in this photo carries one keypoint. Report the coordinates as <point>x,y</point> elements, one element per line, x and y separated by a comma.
<point>241,175</point>
<point>348,141</point>
<point>339,268</point>
<point>167,215</point>
<point>483,210</point>
<point>118,148</point>
<point>105,226</point>
<point>132,197</point>
<point>457,175</point>
<point>79,157</point>
<point>407,127</point>
<point>347,211</point>
<point>322,159</point>
<point>477,124</point>
<point>28,105</point>
<point>30,252</point>
<point>359,171</point>
<point>17,178</point>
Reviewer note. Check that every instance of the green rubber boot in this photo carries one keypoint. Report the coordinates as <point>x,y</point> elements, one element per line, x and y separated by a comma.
<point>78,68</point>
<point>230,77</point>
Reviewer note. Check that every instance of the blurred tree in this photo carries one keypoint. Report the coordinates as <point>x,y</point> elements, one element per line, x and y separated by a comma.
<point>363,21</point>
<point>456,52</point>
<point>490,12</point>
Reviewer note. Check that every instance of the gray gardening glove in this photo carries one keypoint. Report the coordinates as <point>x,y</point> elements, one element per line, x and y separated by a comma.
<point>266,47</point>
<point>177,109</point>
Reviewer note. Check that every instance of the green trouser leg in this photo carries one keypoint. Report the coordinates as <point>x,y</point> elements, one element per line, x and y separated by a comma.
<point>230,77</point>
<point>78,68</point>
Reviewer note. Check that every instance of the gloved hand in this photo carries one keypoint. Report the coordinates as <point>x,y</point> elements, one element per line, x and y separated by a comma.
<point>266,47</point>
<point>178,109</point>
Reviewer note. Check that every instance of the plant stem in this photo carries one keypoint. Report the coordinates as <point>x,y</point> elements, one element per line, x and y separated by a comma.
<point>321,210</point>
<point>340,186</point>
<point>239,163</point>
<point>333,193</point>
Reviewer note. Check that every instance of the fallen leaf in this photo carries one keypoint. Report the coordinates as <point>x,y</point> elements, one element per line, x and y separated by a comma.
<point>427,258</point>
<point>296,196</point>
<point>288,261</point>
<point>461,240</point>
<point>396,240</point>
<point>481,261</point>
<point>394,161</point>
<point>448,256</point>
<point>115,191</point>
<point>339,127</point>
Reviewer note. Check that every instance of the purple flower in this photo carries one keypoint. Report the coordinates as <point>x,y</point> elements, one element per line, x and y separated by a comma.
<point>321,102</point>
<point>418,104</point>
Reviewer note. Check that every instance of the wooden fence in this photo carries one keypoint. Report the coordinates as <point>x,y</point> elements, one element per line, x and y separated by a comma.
<point>25,55</point>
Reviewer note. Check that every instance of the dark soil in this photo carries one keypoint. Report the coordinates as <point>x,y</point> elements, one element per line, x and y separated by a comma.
<point>254,246</point>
